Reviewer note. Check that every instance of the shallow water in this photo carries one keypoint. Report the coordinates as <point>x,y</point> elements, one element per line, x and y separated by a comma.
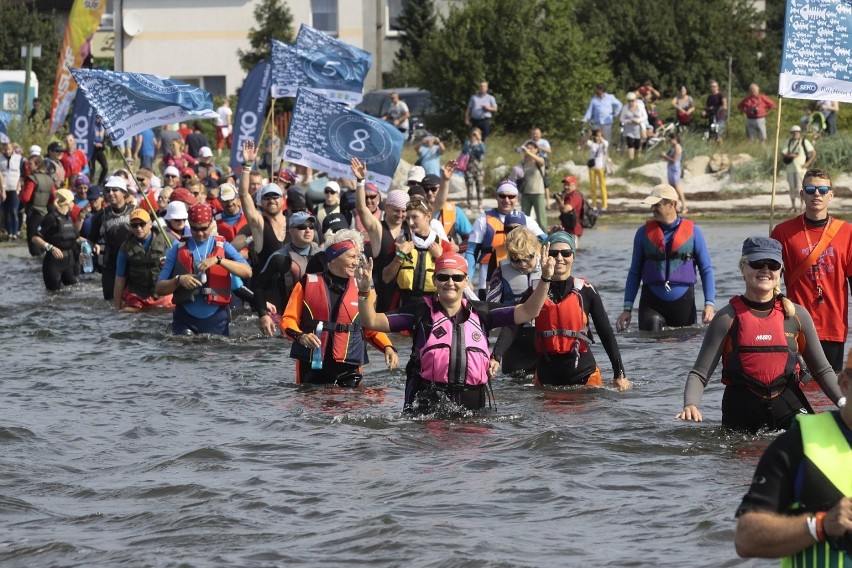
<point>124,445</point>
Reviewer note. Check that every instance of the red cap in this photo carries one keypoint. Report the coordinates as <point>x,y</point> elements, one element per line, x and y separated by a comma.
<point>200,214</point>
<point>451,260</point>
<point>570,179</point>
<point>183,194</point>
<point>187,172</point>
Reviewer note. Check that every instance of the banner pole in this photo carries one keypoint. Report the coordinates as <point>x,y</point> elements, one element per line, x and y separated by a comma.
<point>153,209</point>
<point>775,163</point>
<point>263,132</point>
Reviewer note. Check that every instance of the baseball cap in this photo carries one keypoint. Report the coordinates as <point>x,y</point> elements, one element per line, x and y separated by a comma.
<point>416,190</point>
<point>140,214</point>
<point>300,218</point>
<point>371,188</point>
<point>796,128</point>
<point>451,260</point>
<point>81,179</point>
<point>660,192</point>
<point>288,176</point>
<point>93,193</point>
<point>761,248</point>
<point>570,179</point>
<point>631,96</point>
<point>35,150</point>
<point>176,211</point>
<point>270,189</point>
<point>171,171</point>
<point>55,147</point>
<point>187,171</point>
<point>514,218</point>
<point>183,194</point>
<point>117,182</point>
<point>205,152</point>
<point>416,174</point>
<point>430,180</point>
<point>227,192</point>
<point>333,185</point>
<point>334,222</point>
<point>64,197</point>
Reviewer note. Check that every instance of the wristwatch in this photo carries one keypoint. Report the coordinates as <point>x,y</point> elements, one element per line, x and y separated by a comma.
<point>219,259</point>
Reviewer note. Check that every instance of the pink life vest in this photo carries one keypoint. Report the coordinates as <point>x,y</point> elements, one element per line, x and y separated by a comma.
<point>459,350</point>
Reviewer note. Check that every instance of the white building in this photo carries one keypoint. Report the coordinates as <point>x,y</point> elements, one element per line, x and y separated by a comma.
<point>197,40</point>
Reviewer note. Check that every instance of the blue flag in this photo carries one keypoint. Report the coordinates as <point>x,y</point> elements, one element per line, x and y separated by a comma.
<point>326,135</point>
<point>321,63</point>
<point>83,124</point>
<point>815,62</point>
<point>251,110</point>
<point>5,117</point>
<point>129,103</point>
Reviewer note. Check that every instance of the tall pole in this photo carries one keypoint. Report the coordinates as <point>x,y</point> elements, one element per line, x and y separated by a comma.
<point>380,25</point>
<point>29,68</point>
<point>730,81</point>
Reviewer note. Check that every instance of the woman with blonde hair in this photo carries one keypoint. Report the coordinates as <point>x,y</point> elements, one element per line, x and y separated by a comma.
<point>757,337</point>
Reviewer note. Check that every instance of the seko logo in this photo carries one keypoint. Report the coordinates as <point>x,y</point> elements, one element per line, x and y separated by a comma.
<point>804,87</point>
<point>294,154</point>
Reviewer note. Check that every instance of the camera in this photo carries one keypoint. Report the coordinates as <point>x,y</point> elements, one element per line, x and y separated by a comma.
<point>519,149</point>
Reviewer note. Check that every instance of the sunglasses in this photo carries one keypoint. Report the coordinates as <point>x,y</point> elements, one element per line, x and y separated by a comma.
<point>505,196</point>
<point>443,277</point>
<point>519,259</point>
<point>271,197</point>
<point>565,253</point>
<point>330,192</point>
<point>811,189</point>
<point>112,189</point>
<point>141,180</point>
<point>138,225</point>
<point>772,265</point>
<point>201,229</point>
<point>371,196</point>
<point>170,176</point>
<point>305,227</point>
<point>177,220</point>
<point>431,189</point>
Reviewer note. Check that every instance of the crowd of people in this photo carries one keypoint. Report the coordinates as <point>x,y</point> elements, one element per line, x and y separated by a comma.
<point>181,235</point>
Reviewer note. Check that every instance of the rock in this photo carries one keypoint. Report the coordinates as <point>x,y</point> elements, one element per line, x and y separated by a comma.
<point>698,165</point>
<point>501,171</point>
<point>740,159</point>
<point>719,163</point>
<point>499,161</point>
<point>400,176</point>
<point>457,189</point>
<point>654,173</point>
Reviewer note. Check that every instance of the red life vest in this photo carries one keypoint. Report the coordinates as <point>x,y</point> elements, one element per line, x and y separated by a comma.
<point>683,233</point>
<point>217,289</point>
<point>756,353</point>
<point>564,327</point>
<point>230,231</point>
<point>345,333</point>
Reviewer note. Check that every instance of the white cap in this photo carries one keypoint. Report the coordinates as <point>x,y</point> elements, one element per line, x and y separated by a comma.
<point>631,96</point>
<point>796,128</point>
<point>35,150</point>
<point>205,152</point>
<point>660,192</point>
<point>176,211</point>
<point>416,173</point>
<point>334,186</point>
<point>171,171</point>
<point>227,192</point>
<point>117,181</point>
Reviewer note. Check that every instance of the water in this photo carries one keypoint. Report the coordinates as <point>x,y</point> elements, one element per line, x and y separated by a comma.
<point>123,445</point>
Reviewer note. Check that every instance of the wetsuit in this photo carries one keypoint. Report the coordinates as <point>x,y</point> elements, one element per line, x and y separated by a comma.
<point>113,228</point>
<point>279,276</point>
<point>742,407</point>
<point>58,230</point>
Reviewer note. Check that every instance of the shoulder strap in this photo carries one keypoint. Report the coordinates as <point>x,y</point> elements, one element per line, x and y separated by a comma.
<point>827,236</point>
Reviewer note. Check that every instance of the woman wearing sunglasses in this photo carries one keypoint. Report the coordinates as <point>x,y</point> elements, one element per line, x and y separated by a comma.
<point>450,358</point>
<point>757,336</point>
<point>562,332</point>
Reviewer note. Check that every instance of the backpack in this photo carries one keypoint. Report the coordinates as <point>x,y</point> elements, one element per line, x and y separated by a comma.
<point>589,216</point>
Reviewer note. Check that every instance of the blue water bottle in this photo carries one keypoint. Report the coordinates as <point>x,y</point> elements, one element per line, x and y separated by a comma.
<point>86,258</point>
<point>316,354</point>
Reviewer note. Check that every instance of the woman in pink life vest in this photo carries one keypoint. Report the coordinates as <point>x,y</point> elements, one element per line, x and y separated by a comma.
<point>450,358</point>
<point>758,336</point>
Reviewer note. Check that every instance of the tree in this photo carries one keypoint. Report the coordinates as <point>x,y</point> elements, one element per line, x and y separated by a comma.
<point>22,23</point>
<point>275,22</point>
<point>674,42</point>
<point>536,59</point>
<point>417,24</point>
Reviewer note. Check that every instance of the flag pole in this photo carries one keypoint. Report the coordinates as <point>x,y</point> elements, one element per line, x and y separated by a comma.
<point>263,131</point>
<point>775,163</point>
<point>154,216</point>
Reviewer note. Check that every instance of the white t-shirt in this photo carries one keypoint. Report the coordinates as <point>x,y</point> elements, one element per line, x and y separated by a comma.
<point>225,114</point>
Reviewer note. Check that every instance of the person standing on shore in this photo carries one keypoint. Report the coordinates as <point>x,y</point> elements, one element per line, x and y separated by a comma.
<point>818,250</point>
<point>480,108</point>
<point>756,106</point>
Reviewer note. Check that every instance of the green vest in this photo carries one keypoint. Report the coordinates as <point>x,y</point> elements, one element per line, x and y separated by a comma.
<point>143,267</point>
<point>828,450</point>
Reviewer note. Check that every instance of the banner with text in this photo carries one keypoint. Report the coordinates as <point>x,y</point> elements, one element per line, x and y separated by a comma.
<point>83,21</point>
<point>83,124</point>
<point>128,103</point>
<point>815,60</point>
<point>251,110</point>
<point>321,63</point>
<point>326,135</point>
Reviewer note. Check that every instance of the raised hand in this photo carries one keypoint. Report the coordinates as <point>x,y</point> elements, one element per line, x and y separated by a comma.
<point>359,169</point>
<point>249,151</point>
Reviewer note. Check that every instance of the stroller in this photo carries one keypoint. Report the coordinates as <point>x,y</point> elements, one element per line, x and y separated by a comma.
<point>660,134</point>
<point>815,124</point>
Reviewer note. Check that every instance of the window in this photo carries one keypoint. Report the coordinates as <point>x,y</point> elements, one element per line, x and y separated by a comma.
<point>324,16</point>
<point>393,11</point>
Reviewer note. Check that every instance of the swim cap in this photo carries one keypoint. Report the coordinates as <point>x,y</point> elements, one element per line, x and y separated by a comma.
<point>451,260</point>
<point>562,237</point>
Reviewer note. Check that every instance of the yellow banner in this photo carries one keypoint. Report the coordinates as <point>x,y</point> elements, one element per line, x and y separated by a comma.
<point>83,21</point>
